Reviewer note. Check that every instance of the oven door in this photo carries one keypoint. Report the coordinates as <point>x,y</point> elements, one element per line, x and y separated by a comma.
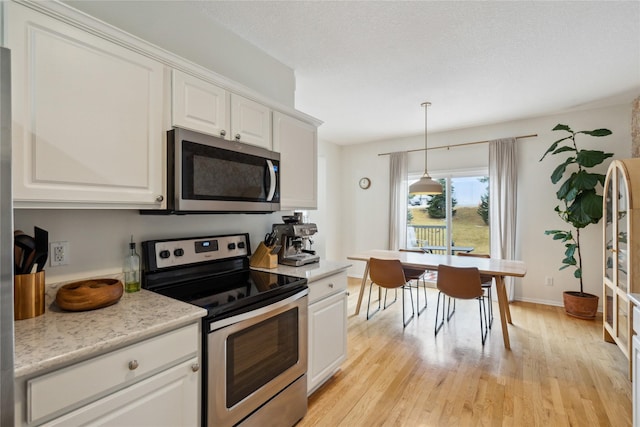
<point>254,356</point>
<point>212,174</point>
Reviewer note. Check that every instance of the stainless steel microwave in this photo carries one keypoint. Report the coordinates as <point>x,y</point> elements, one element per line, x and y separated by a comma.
<point>207,174</point>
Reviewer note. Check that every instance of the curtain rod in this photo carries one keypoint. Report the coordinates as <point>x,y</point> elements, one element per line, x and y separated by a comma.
<point>454,145</point>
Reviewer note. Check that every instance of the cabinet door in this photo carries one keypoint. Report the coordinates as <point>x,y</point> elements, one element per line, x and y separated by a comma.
<point>327,338</point>
<point>297,143</point>
<point>250,122</point>
<point>169,398</point>
<point>610,257</point>
<point>636,381</point>
<point>199,105</point>
<point>621,210</point>
<point>87,117</point>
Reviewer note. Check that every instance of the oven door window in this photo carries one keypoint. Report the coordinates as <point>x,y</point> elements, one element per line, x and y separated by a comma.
<point>210,173</point>
<point>260,353</point>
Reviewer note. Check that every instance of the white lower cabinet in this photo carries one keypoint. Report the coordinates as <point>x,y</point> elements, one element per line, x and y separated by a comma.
<point>636,381</point>
<point>155,382</point>
<point>327,328</point>
<point>169,398</point>
<point>635,369</point>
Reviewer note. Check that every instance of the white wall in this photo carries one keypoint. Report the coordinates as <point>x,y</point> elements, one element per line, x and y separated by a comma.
<point>230,55</point>
<point>365,212</point>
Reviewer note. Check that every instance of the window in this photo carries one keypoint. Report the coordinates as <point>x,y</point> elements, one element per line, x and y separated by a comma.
<point>456,220</point>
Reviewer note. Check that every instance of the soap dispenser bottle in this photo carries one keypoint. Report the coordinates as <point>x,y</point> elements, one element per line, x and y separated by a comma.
<point>132,269</point>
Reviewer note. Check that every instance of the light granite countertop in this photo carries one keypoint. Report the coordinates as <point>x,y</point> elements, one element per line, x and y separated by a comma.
<point>59,338</point>
<point>311,272</point>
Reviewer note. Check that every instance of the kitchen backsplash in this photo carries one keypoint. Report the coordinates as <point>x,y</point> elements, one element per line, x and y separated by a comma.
<point>98,239</point>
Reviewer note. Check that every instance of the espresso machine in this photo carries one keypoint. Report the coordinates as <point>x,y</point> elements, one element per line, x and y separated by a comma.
<point>295,238</point>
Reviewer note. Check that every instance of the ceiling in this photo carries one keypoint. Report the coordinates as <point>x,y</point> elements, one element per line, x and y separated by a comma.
<point>364,67</point>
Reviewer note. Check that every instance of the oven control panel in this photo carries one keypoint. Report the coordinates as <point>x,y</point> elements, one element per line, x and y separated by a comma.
<point>176,252</point>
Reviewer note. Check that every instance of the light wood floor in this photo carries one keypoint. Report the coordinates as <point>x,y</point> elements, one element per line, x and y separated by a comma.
<point>559,372</point>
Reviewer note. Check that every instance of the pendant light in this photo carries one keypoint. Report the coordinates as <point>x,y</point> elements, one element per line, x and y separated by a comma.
<point>426,185</point>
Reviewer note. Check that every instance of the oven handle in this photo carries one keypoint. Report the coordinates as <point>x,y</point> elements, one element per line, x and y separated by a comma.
<point>253,313</point>
<point>272,180</point>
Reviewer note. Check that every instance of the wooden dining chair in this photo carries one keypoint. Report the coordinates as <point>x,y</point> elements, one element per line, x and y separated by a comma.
<point>417,274</point>
<point>487,283</point>
<point>460,283</point>
<point>388,274</point>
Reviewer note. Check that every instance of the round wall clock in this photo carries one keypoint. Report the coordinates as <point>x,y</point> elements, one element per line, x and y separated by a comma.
<point>365,183</point>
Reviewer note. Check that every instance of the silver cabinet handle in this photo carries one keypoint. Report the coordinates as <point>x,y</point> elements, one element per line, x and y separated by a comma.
<point>195,367</point>
<point>133,365</point>
<point>237,137</point>
<point>223,132</point>
<point>160,198</point>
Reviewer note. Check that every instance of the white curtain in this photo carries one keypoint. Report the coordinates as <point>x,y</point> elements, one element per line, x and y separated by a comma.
<point>398,193</point>
<point>502,201</point>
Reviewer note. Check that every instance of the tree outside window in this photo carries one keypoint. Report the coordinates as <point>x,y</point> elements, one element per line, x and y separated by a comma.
<point>467,223</point>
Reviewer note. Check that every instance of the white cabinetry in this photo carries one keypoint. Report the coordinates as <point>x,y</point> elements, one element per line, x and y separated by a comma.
<point>202,106</point>
<point>250,122</point>
<point>636,367</point>
<point>297,143</point>
<point>153,382</point>
<point>621,214</point>
<point>327,328</point>
<point>199,105</point>
<point>87,117</point>
<point>166,399</point>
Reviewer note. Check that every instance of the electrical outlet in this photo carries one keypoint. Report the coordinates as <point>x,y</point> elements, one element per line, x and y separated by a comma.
<point>59,253</point>
<point>548,281</point>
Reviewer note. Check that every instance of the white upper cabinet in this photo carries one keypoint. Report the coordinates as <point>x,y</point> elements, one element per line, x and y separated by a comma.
<point>297,143</point>
<point>202,106</point>
<point>199,105</point>
<point>250,122</point>
<point>87,117</point>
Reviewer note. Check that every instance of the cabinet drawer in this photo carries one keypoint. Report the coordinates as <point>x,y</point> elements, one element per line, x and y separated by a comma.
<point>86,381</point>
<point>636,320</point>
<point>328,286</point>
<point>144,403</point>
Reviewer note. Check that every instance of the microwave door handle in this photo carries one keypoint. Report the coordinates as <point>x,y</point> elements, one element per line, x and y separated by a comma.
<point>272,180</point>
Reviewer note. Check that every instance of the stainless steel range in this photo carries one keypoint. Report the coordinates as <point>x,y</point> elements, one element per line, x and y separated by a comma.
<point>254,334</point>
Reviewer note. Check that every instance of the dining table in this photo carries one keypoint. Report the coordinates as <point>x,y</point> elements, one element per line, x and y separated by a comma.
<point>498,268</point>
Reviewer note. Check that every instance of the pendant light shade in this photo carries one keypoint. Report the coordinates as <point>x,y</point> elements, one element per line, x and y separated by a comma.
<point>426,185</point>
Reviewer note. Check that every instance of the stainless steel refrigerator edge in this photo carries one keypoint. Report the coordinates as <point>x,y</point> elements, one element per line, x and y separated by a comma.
<point>6,247</point>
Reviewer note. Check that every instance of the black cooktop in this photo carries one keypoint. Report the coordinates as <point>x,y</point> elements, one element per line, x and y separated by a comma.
<point>234,292</point>
<point>213,272</point>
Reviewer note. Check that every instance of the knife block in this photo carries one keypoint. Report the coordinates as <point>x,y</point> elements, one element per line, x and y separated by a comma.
<point>28,295</point>
<point>263,258</point>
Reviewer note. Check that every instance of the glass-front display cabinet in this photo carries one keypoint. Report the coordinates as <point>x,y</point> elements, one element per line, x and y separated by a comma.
<point>621,214</point>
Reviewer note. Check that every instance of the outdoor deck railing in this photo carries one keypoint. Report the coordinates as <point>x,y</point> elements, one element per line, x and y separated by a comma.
<point>429,235</point>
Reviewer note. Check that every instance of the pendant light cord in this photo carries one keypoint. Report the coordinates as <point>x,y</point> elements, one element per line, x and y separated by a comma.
<point>426,105</point>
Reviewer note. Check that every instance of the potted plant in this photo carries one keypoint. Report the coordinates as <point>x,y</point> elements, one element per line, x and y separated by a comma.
<point>580,205</point>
